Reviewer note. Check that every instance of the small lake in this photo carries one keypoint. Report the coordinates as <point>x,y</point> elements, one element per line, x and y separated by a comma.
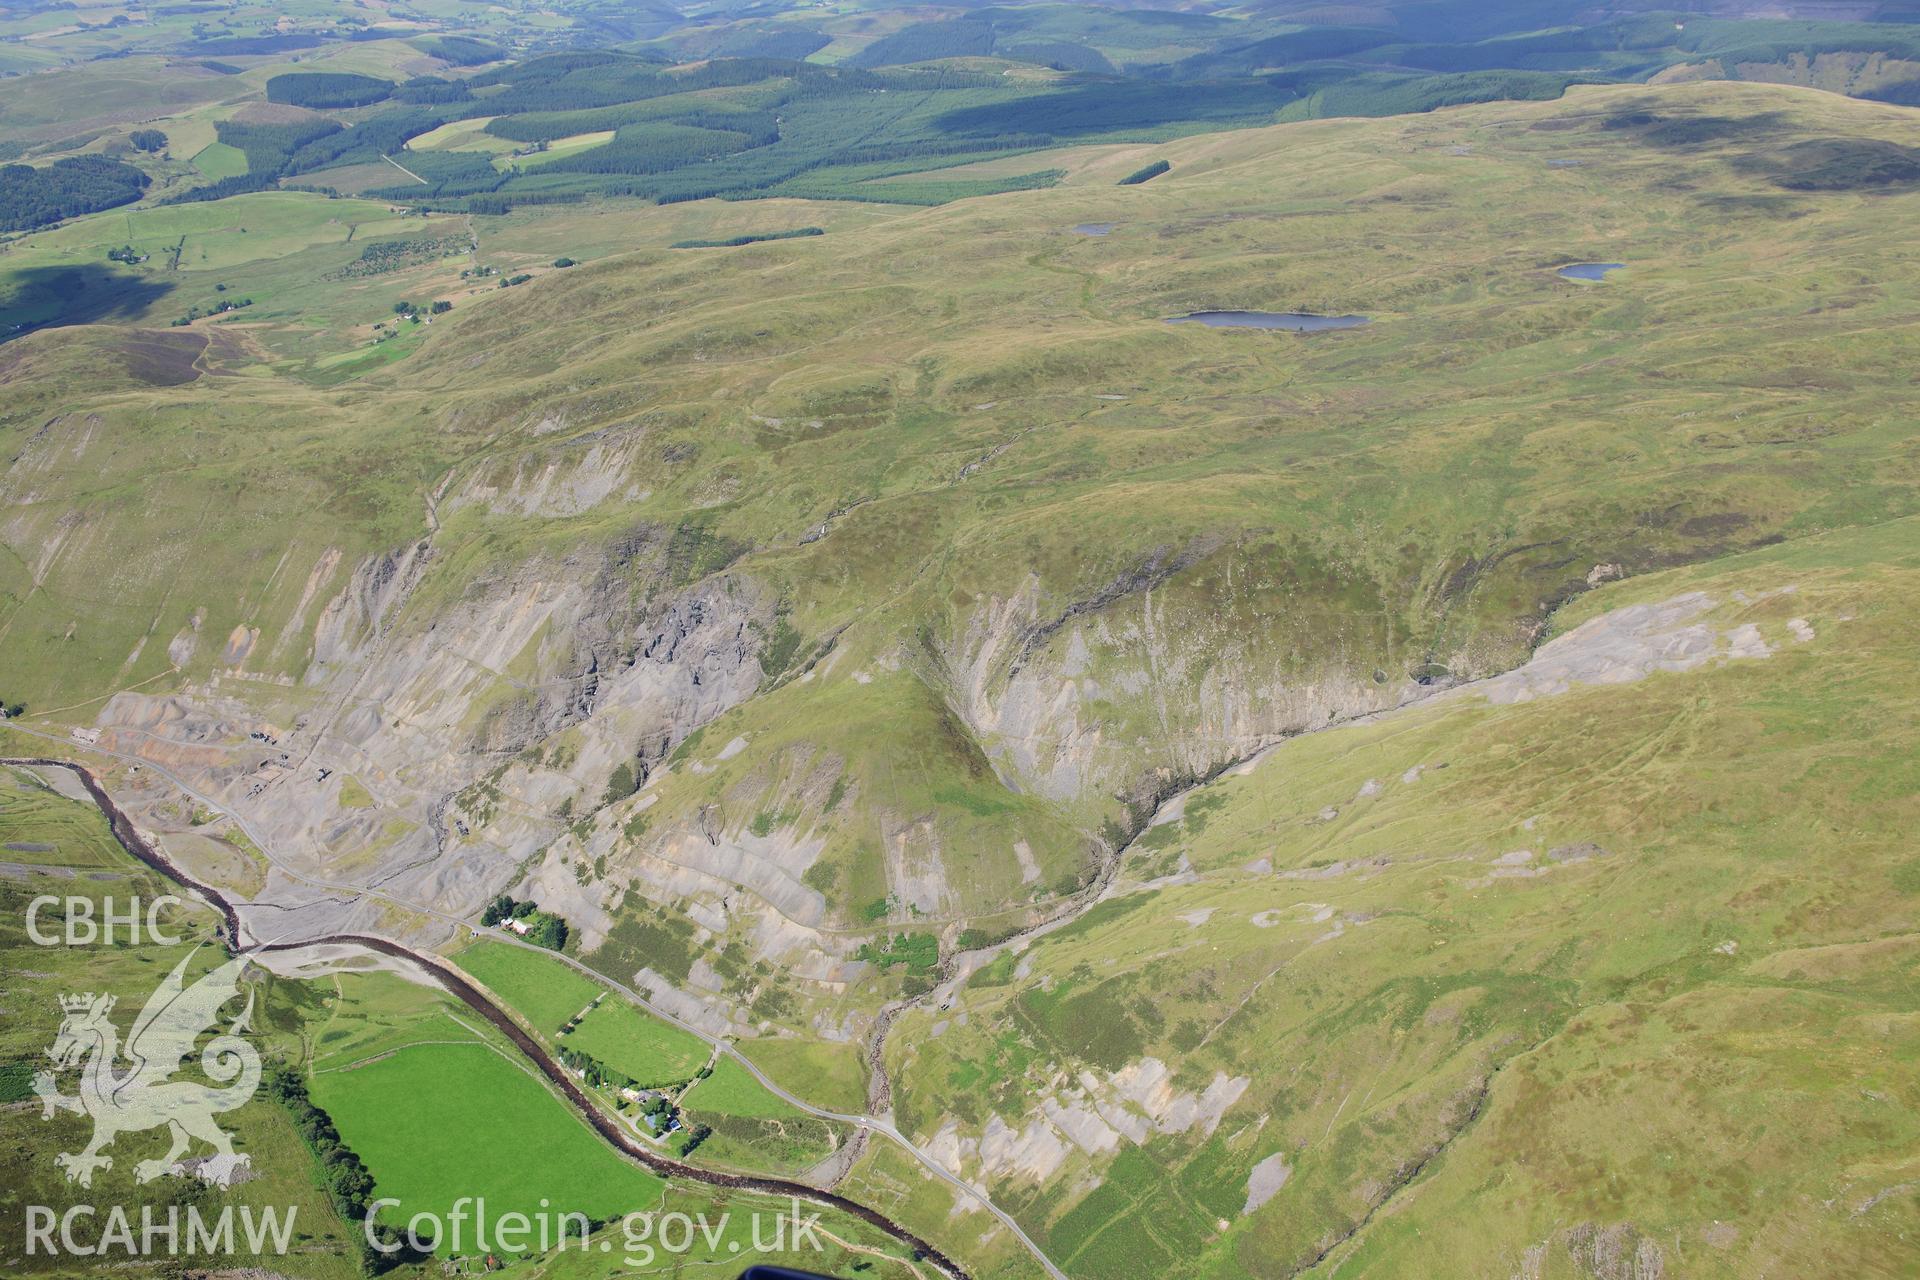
<point>1291,321</point>
<point>1094,228</point>
<point>1590,270</point>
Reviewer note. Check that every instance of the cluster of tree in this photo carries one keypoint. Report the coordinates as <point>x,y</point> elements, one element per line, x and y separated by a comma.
<point>595,1072</point>
<point>34,197</point>
<point>695,1136</point>
<point>147,140</point>
<point>268,147</point>
<point>446,173</point>
<point>349,1183</point>
<point>237,185</point>
<point>883,153</point>
<point>835,118</point>
<point>507,282</point>
<point>544,929</point>
<point>432,91</point>
<point>219,308</point>
<point>376,136</point>
<point>1391,94</point>
<point>906,80</point>
<point>735,242</point>
<point>226,45</point>
<point>708,148</point>
<point>326,89</point>
<point>126,253</point>
<point>1061,55</point>
<point>13,710</point>
<point>1146,173</point>
<point>16,1078</point>
<point>652,148</point>
<point>787,43</point>
<point>274,151</point>
<point>575,81</point>
<point>454,169</point>
<point>919,952</point>
<point>498,204</point>
<point>972,939</point>
<point>754,127</point>
<point>925,41</point>
<point>462,51</point>
<point>571,80</point>
<point>625,780</point>
<point>599,1074</point>
<point>794,118</point>
<point>505,907</point>
<point>379,257</point>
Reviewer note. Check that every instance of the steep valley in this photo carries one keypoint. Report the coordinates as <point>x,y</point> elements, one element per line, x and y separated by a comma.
<point>1364,801</point>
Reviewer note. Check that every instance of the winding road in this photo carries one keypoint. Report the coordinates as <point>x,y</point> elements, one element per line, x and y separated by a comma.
<point>446,975</point>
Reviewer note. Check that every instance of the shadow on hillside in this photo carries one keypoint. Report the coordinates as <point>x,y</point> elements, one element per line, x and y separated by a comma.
<point>1682,130</point>
<point>1132,104</point>
<point>93,293</point>
<point>1759,149</point>
<point>1840,164</point>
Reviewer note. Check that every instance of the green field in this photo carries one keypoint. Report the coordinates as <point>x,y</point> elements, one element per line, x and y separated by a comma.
<point>218,160</point>
<point>299,261</point>
<point>731,1091</point>
<point>558,149</point>
<point>439,1121</point>
<point>41,827</point>
<point>220,236</point>
<point>825,1073</point>
<point>440,1108</point>
<point>459,135</point>
<point>753,1128</point>
<point>637,1044</point>
<point>546,992</point>
<point>549,994</point>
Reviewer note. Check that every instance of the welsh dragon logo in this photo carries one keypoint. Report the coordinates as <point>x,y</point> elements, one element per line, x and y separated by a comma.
<point>141,1093</point>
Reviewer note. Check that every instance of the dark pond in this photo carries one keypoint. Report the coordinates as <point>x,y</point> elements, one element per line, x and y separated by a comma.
<point>1590,270</point>
<point>1292,321</point>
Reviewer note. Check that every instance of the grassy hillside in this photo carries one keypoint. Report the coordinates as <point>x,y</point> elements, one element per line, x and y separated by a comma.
<point>1622,971</point>
<point>440,1107</point>
<point>434,1103</point>
<point>796,616</point>
<point>58,847</point>
<point>1018,557</point>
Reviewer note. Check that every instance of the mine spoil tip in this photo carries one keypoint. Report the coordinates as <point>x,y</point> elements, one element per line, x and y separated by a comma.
<point>130,839</point>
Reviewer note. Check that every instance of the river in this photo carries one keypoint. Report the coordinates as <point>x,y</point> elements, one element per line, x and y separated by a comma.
<point>464,990</point>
